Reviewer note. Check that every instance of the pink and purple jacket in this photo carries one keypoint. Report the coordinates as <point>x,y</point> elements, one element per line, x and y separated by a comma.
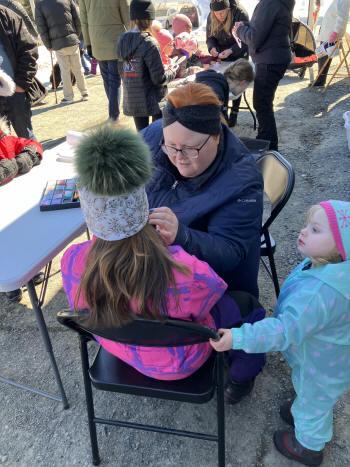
<point>195,295</point>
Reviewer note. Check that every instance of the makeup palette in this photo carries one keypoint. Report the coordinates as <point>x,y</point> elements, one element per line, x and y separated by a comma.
<point>60,194</point>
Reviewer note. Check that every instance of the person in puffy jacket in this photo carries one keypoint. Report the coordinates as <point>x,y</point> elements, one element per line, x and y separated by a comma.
<point>143,75</point>
<point>268,38</point>
<point>206,190</point>
<point>59,28</point>
<point>126,271</point>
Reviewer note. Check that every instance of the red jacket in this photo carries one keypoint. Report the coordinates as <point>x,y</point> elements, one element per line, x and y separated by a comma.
<point>11,146</point>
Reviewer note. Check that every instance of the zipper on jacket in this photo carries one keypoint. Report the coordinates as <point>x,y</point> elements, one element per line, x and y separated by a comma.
<point>174,185</point>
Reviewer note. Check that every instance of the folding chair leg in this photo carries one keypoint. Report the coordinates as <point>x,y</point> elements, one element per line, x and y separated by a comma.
<point>274,273</point>
<point>250,110</point>
<point>96,460</point>
<point>221,411</point>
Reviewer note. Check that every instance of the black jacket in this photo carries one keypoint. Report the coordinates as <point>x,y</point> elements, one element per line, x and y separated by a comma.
<point>17,8</point>
<point>268,33</point>
<point>143,75</point>
<point>58,23</point>
<point>219,211</point>
<point>20,47</point>
<point>223,41</point>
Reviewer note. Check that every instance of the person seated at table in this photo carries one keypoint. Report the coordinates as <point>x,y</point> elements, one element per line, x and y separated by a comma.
<point>218,83</point>
<point>127,271</point>
<point>220,41</point>
<point>207,190</point>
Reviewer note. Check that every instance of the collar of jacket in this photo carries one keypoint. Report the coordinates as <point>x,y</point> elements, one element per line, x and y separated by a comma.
<point>195,183</point>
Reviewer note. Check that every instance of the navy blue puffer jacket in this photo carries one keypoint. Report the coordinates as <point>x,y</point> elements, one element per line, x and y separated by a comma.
<point>219,211</point>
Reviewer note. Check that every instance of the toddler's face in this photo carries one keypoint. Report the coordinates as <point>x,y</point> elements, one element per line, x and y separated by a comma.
<point>316,239</point>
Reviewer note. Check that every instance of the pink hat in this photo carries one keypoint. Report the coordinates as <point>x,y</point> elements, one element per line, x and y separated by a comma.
<point>186,42</point>
<point>338,214</point>
<point>164,38</point>
<point>181,23</point>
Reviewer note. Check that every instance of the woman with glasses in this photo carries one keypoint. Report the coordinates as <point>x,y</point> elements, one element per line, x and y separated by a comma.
<point>206,193</point>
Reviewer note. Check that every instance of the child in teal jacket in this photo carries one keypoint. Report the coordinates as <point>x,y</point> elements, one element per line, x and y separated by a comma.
<point>311,325</point>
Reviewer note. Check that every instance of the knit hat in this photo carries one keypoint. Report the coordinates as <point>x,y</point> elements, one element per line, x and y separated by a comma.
<point>164,38</point>
<point>142,9</point>
<point>181,23</point>
<point>217,82</point>
<point>187,42</point>
<point>218,5</point>
<point>113,167</point>
<point>7,85</point>
<point>338,214</point>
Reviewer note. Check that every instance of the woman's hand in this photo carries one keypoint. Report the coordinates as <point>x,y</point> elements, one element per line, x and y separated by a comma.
<point>213,52</point>
<point>166,223</point>
<point>237,25</point>
<point>225,342</point>
<point>225,53</point>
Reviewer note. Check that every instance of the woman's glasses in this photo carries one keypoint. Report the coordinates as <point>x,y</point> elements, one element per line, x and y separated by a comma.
<point>190,153</point>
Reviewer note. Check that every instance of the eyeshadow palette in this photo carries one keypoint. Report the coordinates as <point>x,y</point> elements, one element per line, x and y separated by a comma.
<point>60,194</point>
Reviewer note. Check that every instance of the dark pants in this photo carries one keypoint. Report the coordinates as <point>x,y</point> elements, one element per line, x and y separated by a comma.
<point>143,122</point>
<point>321,80</point>
<point>111,82</point>
<point>233,310</point>
<point>17,110</point>
<point>266,81</point>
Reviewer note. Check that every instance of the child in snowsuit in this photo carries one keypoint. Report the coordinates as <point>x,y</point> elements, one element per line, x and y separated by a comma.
<point>311,325</point>
<point>143,75</point>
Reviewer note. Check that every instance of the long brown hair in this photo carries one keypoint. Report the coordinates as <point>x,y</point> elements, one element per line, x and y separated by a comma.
<point>216,26</point>
<point>137,269</point>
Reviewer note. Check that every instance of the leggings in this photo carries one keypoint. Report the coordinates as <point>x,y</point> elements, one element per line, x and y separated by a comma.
<point>143,122</point>
<point>233,310</point>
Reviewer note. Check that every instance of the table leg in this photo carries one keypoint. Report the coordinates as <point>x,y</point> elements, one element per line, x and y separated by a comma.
<point>47,342</point>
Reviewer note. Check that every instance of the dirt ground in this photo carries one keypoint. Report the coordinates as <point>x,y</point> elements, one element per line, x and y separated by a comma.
<point>36,431</point>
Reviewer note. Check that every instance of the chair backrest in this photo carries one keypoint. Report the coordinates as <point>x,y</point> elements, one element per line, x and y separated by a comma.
<point>144,332</point>
<point>279,177</point>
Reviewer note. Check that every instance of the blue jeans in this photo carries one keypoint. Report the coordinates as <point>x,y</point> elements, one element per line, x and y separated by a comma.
<point>111,82</point>
<point>84,58</point>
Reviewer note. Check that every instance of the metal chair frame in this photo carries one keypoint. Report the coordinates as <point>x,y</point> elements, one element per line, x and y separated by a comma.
<point>216,365</point>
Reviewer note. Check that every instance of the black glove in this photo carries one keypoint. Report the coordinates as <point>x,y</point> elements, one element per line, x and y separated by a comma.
<point>89,51</point>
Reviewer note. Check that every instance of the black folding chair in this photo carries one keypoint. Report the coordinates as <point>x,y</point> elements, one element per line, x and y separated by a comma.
<point>279,177</point>
<point>108,373</point>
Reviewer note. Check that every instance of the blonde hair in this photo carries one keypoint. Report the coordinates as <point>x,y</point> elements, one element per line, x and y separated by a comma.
<point>136,270</point>
<point>333,256</point>
<point>240,70</point>
<point>216,26</point>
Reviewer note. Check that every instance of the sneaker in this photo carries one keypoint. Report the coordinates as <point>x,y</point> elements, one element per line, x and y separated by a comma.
<point>14,296</point>
<point>285,412</point>
<point>287,444</point>
<point>85,97</point>
<point>235,392</point>
<point>67,101</point>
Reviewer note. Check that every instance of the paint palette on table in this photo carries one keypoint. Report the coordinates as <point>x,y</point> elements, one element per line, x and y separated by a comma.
<point>60,194</point>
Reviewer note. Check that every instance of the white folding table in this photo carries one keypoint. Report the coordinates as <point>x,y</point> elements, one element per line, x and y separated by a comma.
<point>30,239</point>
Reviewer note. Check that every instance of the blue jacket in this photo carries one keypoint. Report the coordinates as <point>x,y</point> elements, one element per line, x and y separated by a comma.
<point>219,211</point>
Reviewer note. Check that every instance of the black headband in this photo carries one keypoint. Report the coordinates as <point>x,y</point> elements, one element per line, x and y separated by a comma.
<point>200,118</point>
<point>218,5</point>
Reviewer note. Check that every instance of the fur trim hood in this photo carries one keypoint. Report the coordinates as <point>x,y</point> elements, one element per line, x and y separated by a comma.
<point>7,85</point>
<point>113,162</point>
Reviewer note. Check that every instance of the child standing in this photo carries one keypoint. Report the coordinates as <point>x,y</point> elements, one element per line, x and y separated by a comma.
<point>166,44</point>
<point>311,325</point>
<point>126,270</point>
<point>143,75</point>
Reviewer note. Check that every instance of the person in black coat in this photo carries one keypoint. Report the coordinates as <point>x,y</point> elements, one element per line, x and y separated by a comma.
<point>220,41</point>
<point>59,28</point>
<point>18,53</point>
<point>268,38</point>
<point>143,75</point>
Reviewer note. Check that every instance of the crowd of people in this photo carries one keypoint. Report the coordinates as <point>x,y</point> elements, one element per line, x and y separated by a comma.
<point>175,208</point>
